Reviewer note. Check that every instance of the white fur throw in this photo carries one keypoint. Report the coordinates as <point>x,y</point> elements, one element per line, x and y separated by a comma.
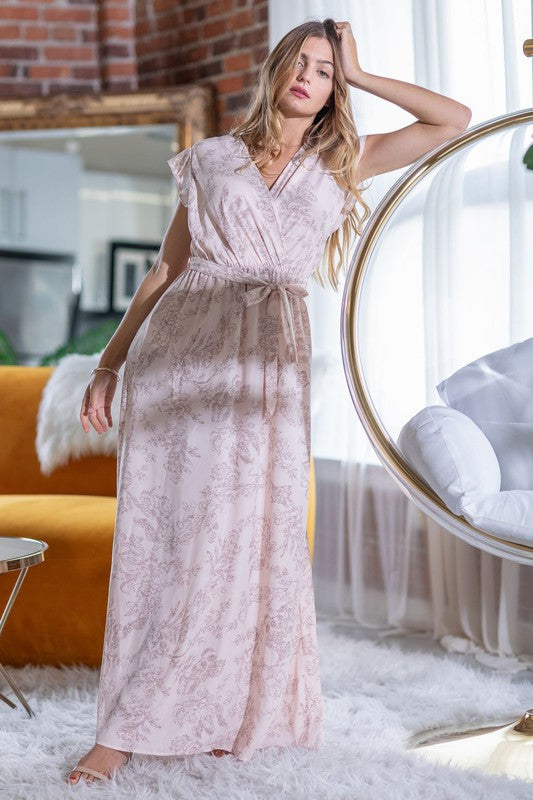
<point>60,436</point>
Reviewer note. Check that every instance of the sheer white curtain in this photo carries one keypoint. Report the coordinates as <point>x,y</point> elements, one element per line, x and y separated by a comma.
<point>377,558</point>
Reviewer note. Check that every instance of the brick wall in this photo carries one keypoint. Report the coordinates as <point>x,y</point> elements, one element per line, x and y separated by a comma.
<point>50,46</point>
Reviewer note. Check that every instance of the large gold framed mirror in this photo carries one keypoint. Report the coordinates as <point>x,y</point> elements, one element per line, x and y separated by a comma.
<point>436,331</point>
<point>85,198</point>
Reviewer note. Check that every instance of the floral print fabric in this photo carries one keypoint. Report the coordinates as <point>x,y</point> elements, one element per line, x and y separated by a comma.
<point>210,638</point>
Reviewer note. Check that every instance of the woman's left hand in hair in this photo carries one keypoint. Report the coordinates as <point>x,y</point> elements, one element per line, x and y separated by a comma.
<point>349,59</point>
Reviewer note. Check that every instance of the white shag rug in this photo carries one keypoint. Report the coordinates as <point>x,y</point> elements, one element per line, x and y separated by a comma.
<point>376,694</point>
<point>60,436</point>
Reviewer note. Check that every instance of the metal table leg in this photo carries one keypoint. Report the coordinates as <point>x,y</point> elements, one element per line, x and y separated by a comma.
<point>3,619</point>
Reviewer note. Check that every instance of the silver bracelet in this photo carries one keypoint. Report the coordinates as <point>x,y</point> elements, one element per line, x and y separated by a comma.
<point>108,369</point>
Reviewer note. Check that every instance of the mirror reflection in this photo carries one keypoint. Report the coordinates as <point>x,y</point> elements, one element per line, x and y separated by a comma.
<point>448,313</point>
<point>72,258</point>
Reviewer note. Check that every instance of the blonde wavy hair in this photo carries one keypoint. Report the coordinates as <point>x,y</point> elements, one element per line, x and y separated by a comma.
<point>332,133</point>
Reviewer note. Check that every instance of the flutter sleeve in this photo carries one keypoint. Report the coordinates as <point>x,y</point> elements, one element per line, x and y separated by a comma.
<point>180,166</point>
<point>350,198</point>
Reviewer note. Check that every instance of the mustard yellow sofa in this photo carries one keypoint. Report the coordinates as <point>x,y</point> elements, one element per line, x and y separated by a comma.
<point>59,614</point>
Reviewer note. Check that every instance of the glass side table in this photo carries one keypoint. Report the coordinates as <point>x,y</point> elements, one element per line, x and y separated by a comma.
<point>17,553</point>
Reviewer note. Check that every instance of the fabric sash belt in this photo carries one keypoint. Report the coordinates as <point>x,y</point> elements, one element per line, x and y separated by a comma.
<point>275,346</point>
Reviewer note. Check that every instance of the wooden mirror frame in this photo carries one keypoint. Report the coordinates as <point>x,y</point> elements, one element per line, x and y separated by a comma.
<point>190,107</point>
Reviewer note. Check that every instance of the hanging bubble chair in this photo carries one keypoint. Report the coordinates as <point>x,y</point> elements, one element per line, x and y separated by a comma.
<point>437,348</point>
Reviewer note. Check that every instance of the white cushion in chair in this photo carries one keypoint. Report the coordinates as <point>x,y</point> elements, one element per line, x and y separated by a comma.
<point>506,514</point>
<point>452,454</point>
<point>513,445</point>
<point>496,387</point>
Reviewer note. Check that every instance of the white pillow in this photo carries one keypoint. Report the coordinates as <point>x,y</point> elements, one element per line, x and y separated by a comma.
<point>60,436</point>
<point>451,454</point>
<point>496,387</point>
<point>513,445</point>
<point>506,514</point>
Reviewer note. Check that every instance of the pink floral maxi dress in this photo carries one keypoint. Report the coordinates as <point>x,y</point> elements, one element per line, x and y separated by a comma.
<point>210,638</point>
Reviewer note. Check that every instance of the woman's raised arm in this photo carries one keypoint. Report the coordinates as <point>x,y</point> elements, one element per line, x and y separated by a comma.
<point>439,117</point>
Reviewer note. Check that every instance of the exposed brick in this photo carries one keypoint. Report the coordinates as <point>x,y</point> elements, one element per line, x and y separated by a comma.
<point>254,36</point>
<point>113,50</point>
<point>64,32</point>
<point>10,31</point>
<point>198,53</point>
<point>236,102</point>
<point>186,74</point>
<point>143,28</point>
<point>116,68</point>
<point>49,71</point>
<point>157,44</point>
<point>20,88</point>
<point>120,32</point>
<point>86,72</point>
<point>194,14</point>
<point>115,13</point>
<point>226,122</point>
<point>152,64</point>
<point>123,45</point>
<point>18,12</point>
<point>77,53</point>
<point>68,15</point>
<point>231,84</point>
<point>216,28</point>
<point>206,70</point>
<point>219,7</point>
<point>260,54</point>
<point>88,35</point>
<point>18,51</point>
<point>261,13</point>
<point>225,45</point>
<point>35,32</point>
<point>191,34</point>
<point>237,62</point>
<point>159,6</point>
<point>249,78</point>
<point>166,22</point>
<point>243,19</point>
<point>70,88</point>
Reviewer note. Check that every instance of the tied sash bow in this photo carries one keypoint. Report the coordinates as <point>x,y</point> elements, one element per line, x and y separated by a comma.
<point>280,337</point>
<point>276,347</point>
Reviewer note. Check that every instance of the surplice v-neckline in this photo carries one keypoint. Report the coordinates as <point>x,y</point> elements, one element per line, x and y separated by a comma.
<point>274,189</point>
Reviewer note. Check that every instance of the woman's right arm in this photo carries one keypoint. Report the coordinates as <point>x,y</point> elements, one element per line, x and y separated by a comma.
<point>170,262</point>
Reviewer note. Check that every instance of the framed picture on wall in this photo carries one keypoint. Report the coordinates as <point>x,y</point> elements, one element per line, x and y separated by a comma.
<point>129,263</point>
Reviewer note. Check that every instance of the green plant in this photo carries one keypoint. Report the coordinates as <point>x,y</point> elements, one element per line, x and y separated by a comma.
<point>528,158</point>
<point>91,341</point>
<point>7,351</point>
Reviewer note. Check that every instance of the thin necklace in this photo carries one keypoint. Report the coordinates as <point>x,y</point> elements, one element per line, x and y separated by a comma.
<point>275,174</point>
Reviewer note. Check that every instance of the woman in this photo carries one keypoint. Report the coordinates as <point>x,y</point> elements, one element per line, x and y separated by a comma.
<point>210,641</point>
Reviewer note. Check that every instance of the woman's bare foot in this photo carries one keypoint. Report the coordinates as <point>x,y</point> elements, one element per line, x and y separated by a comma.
<point>102,759</point>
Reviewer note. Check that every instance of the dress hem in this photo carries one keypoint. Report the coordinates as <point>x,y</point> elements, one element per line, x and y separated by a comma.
<point>208,748</point>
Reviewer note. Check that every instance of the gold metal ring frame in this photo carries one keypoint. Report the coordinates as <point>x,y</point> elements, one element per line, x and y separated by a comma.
<point>397,467</point>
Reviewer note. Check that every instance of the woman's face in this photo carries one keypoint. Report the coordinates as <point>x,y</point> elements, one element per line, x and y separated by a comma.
<point>313,75</point>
